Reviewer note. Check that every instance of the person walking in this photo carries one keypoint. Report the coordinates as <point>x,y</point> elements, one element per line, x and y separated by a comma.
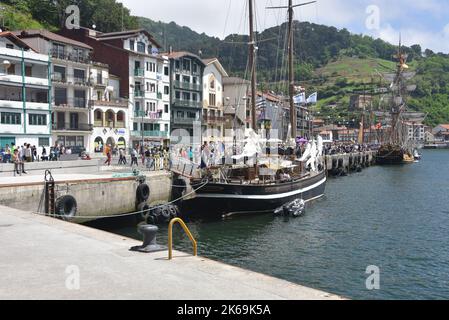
<point>134,157</point>
<point>122,159</point>
<point>108,155</point>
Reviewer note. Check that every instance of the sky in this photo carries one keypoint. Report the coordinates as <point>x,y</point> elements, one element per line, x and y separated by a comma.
<point>424,22</point>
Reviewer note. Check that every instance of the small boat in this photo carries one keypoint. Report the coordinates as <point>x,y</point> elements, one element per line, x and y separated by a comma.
<point>417,155</point>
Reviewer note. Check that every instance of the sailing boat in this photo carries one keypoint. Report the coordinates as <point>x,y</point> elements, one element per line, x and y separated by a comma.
<point>262,183</point>
<point>398,150</point>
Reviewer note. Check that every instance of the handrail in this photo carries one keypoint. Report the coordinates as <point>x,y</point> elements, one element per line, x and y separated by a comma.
<point>170,237</point>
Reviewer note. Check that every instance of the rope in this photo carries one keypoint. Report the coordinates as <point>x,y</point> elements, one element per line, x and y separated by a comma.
<point>126,214</point>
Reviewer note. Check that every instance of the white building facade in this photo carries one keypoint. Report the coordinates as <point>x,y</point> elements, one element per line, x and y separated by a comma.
<point>213,101</point>
<point>149,102</point>
<point>25,94</point>
<point>108,111</point>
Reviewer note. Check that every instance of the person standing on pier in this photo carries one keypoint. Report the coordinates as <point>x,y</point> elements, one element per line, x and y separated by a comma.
<point>134,157</point>
<point>108,155</point>
<point>18,162</point>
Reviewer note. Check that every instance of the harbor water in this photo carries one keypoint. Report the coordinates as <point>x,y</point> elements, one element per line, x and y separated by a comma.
<point>395,218</point>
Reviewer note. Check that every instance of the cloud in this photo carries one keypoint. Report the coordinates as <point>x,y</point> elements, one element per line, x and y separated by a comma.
<point>422,22</point>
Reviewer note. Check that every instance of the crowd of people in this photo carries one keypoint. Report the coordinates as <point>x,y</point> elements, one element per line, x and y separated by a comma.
<point>344,148</point>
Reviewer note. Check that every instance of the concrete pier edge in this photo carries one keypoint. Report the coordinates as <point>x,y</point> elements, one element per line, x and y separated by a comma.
<point>37,252</point>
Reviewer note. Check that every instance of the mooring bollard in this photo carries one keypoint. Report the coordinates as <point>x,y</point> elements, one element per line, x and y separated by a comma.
<point>149,239</point>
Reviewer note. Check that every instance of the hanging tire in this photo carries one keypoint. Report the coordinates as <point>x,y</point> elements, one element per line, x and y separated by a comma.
<point>165,214</point>
<point>143,210</point>
<point>142,193</point>
<point>173,212</point>
<point>66,207</point>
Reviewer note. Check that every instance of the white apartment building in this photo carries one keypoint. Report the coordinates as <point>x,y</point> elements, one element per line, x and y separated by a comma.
<point>71,67</point>
<point>25,108</point>
<point>213,100</point>
<point>108,111</point>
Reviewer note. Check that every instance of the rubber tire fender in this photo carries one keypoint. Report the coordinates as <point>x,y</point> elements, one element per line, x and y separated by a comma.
<point>66,207</point>
<point>142,193</point>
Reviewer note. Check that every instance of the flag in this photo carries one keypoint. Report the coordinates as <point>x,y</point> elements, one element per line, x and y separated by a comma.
<point>300,98</point>
<point>313,98</point>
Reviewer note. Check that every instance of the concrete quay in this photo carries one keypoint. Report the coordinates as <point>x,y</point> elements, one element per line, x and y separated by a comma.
<point>44,258</point>
<point>102,193</point>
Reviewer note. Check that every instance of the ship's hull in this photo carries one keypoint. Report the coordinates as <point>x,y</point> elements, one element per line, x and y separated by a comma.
<point>390,155</point>
<point>217,199</point>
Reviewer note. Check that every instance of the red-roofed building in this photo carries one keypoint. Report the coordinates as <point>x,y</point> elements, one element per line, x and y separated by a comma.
<point>441,132</point>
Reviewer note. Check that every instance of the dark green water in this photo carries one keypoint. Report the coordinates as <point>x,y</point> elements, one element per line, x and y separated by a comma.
<point>396,218</point>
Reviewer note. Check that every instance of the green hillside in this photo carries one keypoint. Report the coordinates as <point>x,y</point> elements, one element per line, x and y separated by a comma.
<point>332,61</point>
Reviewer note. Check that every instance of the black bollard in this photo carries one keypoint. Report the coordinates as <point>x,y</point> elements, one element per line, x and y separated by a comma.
<point>149,239</point>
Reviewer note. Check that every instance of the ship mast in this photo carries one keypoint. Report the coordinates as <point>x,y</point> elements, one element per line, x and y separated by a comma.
<point>291,73</point>
<point>252,65</point>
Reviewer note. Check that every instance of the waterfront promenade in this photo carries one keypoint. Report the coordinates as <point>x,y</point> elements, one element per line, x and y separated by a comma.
<point>38,251</point>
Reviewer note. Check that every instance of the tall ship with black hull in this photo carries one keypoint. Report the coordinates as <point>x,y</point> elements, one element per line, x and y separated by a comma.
<point>255,182</point>
<point>398,149</point>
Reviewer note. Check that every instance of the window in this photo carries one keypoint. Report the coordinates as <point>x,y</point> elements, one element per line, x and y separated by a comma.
<point>152,87</point>
<point>98,115</point>
<point>28,71</point>
<point>177,77</point>
<point>141,47</point>
<point>11,118</point>
<point>212,99</point>
<point>212,83</point>
<point>191,115</point>
<point>37,119</point>
<point>177,64</point>
<point>185,96</point>
<point>44,142</point>
<point>166,127</point>
<point>186,65</point>
<point>58,51</point>
<point>177,95</point>
<point>80,99</point>
<point>60,96</point>
<point>180,114</point>
<point>131,45</point>
<point>195,67</point>
<point>59,73</point>
<point>79,75</point>
<point>194,97</point>
<point>151,67</point>
<point>79,54</point>
<point>166,71</point>
<point>166,108</point>
<point>12,69</point>
<point>166,90</point>
<point>195,80</point>
<point>9,46</point>
<point>99,77</point>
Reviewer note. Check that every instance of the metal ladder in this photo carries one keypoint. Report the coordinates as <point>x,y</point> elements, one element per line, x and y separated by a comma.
<point>170,237</point>
<point>50,207</point>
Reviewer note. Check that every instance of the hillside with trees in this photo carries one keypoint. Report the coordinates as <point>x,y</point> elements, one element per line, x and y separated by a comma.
<point>332,61</point>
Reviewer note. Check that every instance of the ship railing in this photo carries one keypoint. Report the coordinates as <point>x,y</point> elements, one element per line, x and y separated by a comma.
<point>184,167</point>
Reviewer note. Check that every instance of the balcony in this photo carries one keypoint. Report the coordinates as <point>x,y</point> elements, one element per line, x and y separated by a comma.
<point>72,127</point>
<point>78,103</point>
<point>139,72</point>
<point>187,103</point>
<point>150,134</point>
<point>213,119</point>
<point>70,56</point>
<point>117,103</point>
<point>17,79</point>
<point>185,120</point>
<point>187,86</point>
<point>148,115</point>
<point>139,94</point>
<point>69,80</point>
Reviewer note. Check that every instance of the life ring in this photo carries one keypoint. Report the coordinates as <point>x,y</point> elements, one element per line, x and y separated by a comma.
<point>143,210</point>
<point>142,193</point>
<point>66,207</point>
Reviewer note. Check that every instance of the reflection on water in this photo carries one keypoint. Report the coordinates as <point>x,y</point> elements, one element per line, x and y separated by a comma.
<point>396,218</point>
